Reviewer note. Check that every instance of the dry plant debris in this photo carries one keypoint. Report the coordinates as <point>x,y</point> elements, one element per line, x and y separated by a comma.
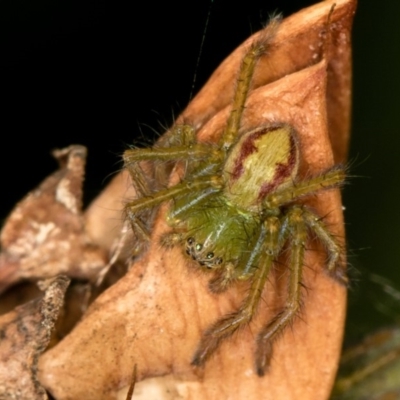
<point>24,335</point>
<point>45,234</point>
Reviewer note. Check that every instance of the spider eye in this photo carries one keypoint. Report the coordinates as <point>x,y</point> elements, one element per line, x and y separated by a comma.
<point>218,261</point>
<point>209,256</point>
<point>199,246</point>
<point>190,241</point>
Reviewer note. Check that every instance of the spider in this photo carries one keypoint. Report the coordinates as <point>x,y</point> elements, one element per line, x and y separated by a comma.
<point>236,208</point>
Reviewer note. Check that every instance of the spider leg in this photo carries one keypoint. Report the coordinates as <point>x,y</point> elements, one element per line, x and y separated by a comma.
<point>179,134</point>
<point>139,180</point>
<point>246,71</point>
<point>135,207</point>
<point>133,157</point>
<point>226,326</point>
<point>335,264</point>
<point>179,143</point>
<point>333,178</point>
<point>270,333</point>
<point>195,151</point>
<point>223,279</point>
<point>140,230</point>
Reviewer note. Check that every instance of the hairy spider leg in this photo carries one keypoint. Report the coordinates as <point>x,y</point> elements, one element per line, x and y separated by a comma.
<point>335,265</point>
<point>195,151</point>
<point>267,245</point>
<point>328,180</point>
<point>269,334</point>
<point>183,147</point>
<point>133,157</point>
<point>246,71</point>
<point>134,207</point>
<point>179,135</point>
<point>333,178</point>
<point>174,146</point>
<point>181,189</point>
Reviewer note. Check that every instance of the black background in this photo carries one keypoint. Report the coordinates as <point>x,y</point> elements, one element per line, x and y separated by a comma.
<point>78,73</point>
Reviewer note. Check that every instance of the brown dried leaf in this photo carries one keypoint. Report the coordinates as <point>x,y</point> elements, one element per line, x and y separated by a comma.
<point>154,316</point>
<point>45,234</point>
<point>25,334</point>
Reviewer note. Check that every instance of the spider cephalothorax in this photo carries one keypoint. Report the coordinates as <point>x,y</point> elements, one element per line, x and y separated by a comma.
<point>236,207</point>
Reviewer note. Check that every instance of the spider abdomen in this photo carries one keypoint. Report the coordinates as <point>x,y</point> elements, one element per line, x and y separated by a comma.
<point>263,161</point>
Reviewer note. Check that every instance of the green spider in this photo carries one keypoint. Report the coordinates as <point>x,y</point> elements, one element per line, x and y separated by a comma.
<point>236,208</point>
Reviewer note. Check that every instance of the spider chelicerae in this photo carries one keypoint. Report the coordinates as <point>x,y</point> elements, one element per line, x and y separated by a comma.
<point>236,208</point>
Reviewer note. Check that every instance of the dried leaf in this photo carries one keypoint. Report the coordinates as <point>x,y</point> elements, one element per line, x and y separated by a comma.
<point>25,334</point>
<point>45,234</point>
